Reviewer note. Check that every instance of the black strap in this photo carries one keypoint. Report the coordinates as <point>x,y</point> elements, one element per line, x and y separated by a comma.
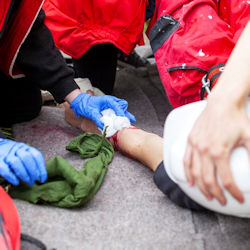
<point>162,30</point>
<point>33,241</point>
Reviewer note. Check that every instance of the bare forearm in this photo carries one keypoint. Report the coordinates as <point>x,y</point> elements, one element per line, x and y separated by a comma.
<point>145,147</point>
<point>234,84</point>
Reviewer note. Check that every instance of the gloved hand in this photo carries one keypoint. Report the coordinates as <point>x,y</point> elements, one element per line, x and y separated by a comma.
<point>91,107</point>
<point>18,160</point>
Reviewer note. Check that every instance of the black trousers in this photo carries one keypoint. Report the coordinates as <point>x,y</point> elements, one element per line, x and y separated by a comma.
<point>20,100</point>
<point>173,191</point>
<point>99,65</point>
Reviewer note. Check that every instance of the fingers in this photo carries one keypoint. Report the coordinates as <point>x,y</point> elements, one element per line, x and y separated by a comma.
<point>40,163</point>
<point>7,174</point>
<point>201,170</point>
<point>197,173</point>
<point>188,164</point>
<point>96,117</point>
<point>227,178</point>
<point>116,107</point>
<point>209,179</point>
<point>121,109</point>
<point>130,116</point>
<point>122,103</point>
<point>29,163</point>
<point>17,166</point>
<point>105,102</point>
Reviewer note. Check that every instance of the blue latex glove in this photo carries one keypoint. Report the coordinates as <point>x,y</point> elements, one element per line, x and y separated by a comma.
<point>91,107</point>
<point>20,161</point>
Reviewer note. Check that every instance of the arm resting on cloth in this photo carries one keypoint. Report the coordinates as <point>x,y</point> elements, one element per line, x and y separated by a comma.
<point>147,148</point>
<point>43,64</point>
<point>221,127</point>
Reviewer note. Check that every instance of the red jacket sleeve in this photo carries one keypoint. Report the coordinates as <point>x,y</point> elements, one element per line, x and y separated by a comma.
<point>188,39</point>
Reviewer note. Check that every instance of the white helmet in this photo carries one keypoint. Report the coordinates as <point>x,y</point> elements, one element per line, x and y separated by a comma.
<point>178,125</point>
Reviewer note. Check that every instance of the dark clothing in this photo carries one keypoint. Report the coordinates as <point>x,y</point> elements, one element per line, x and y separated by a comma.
<point>20,100</point>
<point>44,67</point>
<point>99,65</point>
<point>2,135</point>
<point>43,64</point>
<point>150,9</point>
<point>173,191</point>
<point>79,25</point>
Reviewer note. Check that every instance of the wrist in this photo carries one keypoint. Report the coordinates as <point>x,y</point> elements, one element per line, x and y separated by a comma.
<point>227,96</point>
<point>72,95</point>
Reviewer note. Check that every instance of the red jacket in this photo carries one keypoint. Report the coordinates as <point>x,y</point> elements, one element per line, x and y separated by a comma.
<point>15,32</point>
<point>9,223</point>
<point>193,38</point>
<point>78,25</point>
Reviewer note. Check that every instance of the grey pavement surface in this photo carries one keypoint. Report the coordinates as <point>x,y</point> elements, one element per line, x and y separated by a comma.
<point>128,212</point>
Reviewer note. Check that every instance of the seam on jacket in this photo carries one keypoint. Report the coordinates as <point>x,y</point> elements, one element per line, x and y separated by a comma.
<point>186,67</point>
<point>215,67</point>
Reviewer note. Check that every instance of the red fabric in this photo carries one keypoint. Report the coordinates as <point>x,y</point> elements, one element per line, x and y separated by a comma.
<point>78,25</point>
<point>4,7</point>
<point>15,33</point>
<point>207,34</point>
<point>11,222</point>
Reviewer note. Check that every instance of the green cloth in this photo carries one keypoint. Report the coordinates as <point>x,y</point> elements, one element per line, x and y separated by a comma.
<point>67,187</point>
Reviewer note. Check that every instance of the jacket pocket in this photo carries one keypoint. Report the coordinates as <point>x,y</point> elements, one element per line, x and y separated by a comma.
<point>162,30</point>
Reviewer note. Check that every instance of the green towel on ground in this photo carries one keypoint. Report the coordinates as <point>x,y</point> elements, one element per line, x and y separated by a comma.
<point>66,186</point>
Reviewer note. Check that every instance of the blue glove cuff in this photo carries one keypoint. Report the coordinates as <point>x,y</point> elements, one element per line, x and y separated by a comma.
<point>76,104</point>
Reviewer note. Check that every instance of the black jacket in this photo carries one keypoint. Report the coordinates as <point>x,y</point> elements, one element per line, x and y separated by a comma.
<point>43,64</point>
<point>150,9</point>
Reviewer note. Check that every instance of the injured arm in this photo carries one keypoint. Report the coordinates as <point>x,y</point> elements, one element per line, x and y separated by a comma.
<point>135,143</point>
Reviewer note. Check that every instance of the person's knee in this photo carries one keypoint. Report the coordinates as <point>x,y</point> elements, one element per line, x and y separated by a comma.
<point>21,101</point>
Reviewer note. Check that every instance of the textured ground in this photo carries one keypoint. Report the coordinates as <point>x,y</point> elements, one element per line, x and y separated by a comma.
<point>128,212</point>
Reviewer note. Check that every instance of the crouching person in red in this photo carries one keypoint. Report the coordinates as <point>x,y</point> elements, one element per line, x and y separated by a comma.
<point>30,62</point>
<point>91,32</point>
<point>192,40</point>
